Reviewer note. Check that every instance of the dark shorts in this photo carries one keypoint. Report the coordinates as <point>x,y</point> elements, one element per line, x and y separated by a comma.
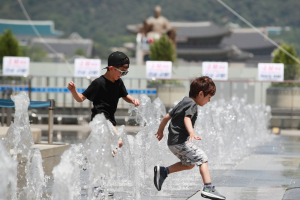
<point>189,154</point>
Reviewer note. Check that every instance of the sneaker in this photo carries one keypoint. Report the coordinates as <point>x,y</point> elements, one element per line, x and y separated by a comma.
<point>159,176</point>
<point>211,193</point>
<point>114,153</point>
<point>97,190</point>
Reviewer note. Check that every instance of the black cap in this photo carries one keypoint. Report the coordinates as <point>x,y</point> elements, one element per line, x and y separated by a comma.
<point>117,59</point>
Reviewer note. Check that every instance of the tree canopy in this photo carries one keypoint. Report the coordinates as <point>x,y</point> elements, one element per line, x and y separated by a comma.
<point>9,45</point>
<point>291,66</point>
<point>162,50</point>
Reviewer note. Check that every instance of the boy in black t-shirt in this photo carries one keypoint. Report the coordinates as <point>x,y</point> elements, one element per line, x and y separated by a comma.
<point>106,90</point>
<point>181,135</point>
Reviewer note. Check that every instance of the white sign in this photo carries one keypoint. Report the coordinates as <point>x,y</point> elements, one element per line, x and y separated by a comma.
<point>16,66</point>
<point>270,71</point>
<point>215,70</point>
<point>87,67</point>
<point>159,69</point>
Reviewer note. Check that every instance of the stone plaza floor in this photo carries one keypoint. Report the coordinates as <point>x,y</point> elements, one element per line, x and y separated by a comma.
<point>271,171</point>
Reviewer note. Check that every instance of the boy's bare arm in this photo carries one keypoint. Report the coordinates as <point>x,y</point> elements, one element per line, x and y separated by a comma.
<point>163,123</point>
<point>190,129</point>
<point>130,99</point>
<point>77,96</point>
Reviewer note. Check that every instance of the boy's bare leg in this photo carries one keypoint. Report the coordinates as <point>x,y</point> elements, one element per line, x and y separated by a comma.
<point>116,132</point>
<point>179,167</point>
<point>203,170</point>
<point>205,173</point>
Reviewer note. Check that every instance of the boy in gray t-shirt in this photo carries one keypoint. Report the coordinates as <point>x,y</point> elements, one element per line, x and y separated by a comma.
<point>182,134</point>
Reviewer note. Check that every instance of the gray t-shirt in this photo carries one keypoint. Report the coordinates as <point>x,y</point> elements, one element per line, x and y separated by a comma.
<point>177,131</point>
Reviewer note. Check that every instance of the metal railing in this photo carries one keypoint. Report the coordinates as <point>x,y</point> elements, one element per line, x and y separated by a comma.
<point>8,104</point>
<point>41,88</point>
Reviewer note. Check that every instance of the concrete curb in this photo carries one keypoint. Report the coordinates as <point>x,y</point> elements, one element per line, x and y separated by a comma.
<point>293,191</point>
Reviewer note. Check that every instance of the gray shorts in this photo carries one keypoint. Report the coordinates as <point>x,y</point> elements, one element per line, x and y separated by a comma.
<point>189,154</point>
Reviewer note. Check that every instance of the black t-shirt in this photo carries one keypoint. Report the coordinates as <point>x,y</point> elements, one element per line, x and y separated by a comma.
<point>105,96</point>
<point>177,131</point>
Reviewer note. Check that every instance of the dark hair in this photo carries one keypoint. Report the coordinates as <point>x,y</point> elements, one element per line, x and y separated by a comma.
<point>204,84</point>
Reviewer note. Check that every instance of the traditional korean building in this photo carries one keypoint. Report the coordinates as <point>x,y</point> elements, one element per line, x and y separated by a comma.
<point>201,41</point>
<point>206,41</point>
<point>65,47</point>
<point>24,31</point>
<point>46,37</point>
<point>248,40</point>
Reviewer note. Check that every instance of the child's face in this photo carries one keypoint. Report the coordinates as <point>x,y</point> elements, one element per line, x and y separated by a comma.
<point>203,99</point>
<point>116,73</point>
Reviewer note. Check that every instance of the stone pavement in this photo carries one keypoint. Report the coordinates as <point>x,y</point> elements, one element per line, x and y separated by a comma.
<point>270,172</point>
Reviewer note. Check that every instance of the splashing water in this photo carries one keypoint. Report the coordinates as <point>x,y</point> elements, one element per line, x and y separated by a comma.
<point>228,131</point>
<point>18,136</point>
<point>8,175</point>
<point>67,182</point>
<point>35,177</point>
<point>18,143</point>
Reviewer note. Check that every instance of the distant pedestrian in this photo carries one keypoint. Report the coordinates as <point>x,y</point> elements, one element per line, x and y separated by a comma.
<point>182,134</point>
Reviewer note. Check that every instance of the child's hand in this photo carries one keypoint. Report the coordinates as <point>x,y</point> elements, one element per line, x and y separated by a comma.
<point>71,86</point>
<point>194,136</point>
<point>159,135</point>
<point>136,102</point>
<point>120,143</point>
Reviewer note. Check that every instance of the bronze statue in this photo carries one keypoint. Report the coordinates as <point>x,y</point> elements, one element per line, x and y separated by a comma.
<point>158,25</point>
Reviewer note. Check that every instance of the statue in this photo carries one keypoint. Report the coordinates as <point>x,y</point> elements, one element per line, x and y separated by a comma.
<point>158,25</point>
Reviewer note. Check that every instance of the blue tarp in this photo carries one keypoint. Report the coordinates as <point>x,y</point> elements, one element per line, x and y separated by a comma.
<point>33,104</point>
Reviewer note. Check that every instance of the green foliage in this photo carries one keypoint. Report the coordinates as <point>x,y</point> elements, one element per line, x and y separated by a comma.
<point>36,54</point>
<point>9,45</point>
<point>291,67</point>
<point>79,52</point>
<point>162,50</point>
<point>105,21</point>
<point>290,36</point>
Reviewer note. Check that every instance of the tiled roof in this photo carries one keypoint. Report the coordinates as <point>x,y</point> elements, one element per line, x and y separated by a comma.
<point>246,40</point>
<point>199,29</point>
<point>216,50</point>
<point>190,29</point>
<point>65,46</point>
<point>24,27</point>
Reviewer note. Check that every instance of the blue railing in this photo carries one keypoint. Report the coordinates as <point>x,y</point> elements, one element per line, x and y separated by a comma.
<point>7,103</point>
<point>65,90</point>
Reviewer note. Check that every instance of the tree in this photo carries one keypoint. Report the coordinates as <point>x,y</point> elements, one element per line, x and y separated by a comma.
<point>163,50</point>
<point>9,45</point>
<point>79,52</point>
<point>291,67</point>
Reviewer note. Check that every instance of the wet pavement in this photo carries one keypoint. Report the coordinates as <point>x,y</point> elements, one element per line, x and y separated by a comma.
<point>270,172</point>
